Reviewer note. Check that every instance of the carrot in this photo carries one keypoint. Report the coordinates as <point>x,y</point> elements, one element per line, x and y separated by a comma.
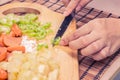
<point>12,34</point>
<point>1,40</point>
<point>11,41</point>
<point>16,30</point>
<point>3,53</point>
<point>16,48</point>
<point>3,74</point>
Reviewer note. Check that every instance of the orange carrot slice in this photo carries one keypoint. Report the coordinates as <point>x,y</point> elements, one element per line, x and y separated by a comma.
<point>3,53</point>
<point>11,41</point>
<point>3,74</point>
<point>12,34</point>
<point>16,48</point>
<point>1,40</point>
<point>16,30</point>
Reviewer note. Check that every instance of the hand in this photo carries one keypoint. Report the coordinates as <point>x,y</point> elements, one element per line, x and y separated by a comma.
<point>72,4</point>
<point>98,38</point>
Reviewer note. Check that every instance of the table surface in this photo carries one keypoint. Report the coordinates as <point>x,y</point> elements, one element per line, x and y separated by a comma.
<point>89,69</point>
<point>112,6</point>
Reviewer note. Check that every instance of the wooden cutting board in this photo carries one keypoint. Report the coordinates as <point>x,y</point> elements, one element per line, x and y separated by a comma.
<point>67,58</point>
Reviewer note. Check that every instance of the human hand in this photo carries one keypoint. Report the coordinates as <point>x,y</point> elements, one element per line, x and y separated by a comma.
<point>74,4</point>
<point>98,38</point>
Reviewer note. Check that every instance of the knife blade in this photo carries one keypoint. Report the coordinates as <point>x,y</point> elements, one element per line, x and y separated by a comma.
<point>63,27</point>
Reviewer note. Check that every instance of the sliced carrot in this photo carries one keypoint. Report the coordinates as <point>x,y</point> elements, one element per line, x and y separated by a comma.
<point>12,34</point>
<point>16,48</point>
<point>12,41</point>
<point>3,53</point>
<point>16,30</point>
<point>3,74</point>
<point>1,40</point>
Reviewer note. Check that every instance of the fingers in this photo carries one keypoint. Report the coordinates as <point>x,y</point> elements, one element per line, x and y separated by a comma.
<point>65,2</point>
<point>71,6</point>
<point>102,54</point>
<point>84,41</point>
<point>82,4</point>
<point>93,48</point>
<point>82,31</point>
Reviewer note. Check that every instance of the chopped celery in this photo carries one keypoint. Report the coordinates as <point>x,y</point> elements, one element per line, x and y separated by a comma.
<point>28,24</point>
<point>9,20</point>
<point>46,26</point>
<point>30,17</point>
<point>6,22</point>
<point>42,45</point>
<point>49,31</point>
<point>56,41</point>
<point>4,29</point>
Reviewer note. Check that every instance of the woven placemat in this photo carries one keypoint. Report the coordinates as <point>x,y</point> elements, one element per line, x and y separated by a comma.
<point>89,68</point>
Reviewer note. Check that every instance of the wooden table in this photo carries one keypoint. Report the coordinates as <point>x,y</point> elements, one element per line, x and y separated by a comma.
<point>89,69</point>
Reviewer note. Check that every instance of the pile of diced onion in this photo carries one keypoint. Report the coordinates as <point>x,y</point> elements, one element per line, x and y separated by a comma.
<point>34,66</point>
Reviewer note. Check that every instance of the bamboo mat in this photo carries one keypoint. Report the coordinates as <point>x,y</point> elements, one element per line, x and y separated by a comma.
<point>88,68</point>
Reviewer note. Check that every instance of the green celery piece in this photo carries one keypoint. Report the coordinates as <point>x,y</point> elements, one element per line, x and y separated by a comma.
<point>46,26</point>
<point>31,17</point>
<point>6,22</point>
<point>56,41</point>
<point>49,31</point>
<point>27,31</point>
<point>4,29</point>
<point>9,19</point>
<point>40,46</point>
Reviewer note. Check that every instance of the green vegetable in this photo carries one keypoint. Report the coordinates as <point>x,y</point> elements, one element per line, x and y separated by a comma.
<point>9,20</point>
<point>46,26</point>
<point>41,46</point>
<point>4,29</point>
<point>28,24</point>
<point>56,41</point>
<point>31,17</point>
<point>33,28</point>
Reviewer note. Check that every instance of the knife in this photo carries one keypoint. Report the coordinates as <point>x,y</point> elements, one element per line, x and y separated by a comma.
<point>63,27</point>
